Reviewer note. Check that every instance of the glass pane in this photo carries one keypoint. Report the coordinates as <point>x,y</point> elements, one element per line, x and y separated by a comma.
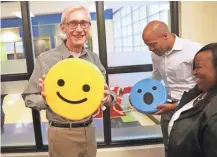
<point>153,9</point>
<point>128,10</point>
<point>16,119</point>
<point>128,20</point>
<point>119,24</point>
<point>142,24</point>
<point>118,42</point>
<point>143,13</point>
<point>127,124</point>
<point>124,22</point>
<point>164,16</point>
<point>130,41</point>
<point>154,17</point>
<point>135,7</point>
<point>11,39</point>
<point>124,31</point>
<point>145,48</point>
<point>135,15</point>
<point>125,42</point>
<point>129,30</point>
<point>165,6</point>
<point>137,40</point>
<point>123,12</point>
<point>117,15</point>
<point>141,42</point>
<point>49,35</point>
<point>126,49</point>
<point>117,49</point>
<point>134,27</point>
<point>137,48</point>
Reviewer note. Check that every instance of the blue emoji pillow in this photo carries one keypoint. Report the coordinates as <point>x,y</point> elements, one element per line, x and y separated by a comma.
<point>146,94</point>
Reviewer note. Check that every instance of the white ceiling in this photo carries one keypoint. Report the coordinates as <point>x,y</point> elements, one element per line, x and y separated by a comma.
<point>46,7</point>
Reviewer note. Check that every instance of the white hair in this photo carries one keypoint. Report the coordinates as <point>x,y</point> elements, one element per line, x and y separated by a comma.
<point>68,11</point>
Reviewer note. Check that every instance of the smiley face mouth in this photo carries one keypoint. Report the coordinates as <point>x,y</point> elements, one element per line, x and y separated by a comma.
<point>148,98</point>
<point>70,101</point>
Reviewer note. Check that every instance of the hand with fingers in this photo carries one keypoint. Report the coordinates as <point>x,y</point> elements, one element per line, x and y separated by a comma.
<point>164,108</point>
<point>107,97</point>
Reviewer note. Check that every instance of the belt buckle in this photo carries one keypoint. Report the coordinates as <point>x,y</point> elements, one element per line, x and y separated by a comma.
<point>70,125</point>
<point>50,123</point>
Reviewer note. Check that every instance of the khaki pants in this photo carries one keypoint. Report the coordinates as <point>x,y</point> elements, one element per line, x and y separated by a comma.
<point>72,142</point>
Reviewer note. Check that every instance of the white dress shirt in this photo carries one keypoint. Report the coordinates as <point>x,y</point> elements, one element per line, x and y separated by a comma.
<point>175,67</point>
<point>76,54</point>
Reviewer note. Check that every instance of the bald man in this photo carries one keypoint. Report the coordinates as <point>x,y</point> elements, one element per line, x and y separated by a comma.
<point>172,59</point>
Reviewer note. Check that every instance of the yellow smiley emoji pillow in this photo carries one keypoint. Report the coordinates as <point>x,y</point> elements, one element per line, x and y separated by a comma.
<point>74,88</point>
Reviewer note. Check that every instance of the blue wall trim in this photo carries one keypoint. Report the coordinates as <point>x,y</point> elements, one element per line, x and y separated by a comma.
<point>49,19</point>
<point>12,22</point>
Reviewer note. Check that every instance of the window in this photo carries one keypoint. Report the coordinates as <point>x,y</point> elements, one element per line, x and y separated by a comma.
<point>17,125</point>
<point>154,17</point>
<point>127,124</point>
<point>16,120</point>
<point>128,24</point>
<point>129,49</point>
<point>11,40</point>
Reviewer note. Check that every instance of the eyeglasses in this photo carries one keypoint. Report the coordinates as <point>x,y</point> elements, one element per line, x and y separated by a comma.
<point>74,24</point>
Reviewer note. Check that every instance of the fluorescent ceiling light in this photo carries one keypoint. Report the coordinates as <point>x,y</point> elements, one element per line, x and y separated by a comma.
<point>18,14</point>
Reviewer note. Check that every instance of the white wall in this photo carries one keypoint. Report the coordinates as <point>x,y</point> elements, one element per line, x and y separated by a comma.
<point>198,21</point>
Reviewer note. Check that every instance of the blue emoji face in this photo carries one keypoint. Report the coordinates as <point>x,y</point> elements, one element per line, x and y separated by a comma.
<point>146,94</point>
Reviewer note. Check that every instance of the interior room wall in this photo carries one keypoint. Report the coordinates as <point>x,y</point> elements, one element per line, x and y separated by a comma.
<point>198,21</point>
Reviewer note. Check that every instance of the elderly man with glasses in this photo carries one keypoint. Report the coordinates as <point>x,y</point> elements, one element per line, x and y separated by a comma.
<point>66,138</point>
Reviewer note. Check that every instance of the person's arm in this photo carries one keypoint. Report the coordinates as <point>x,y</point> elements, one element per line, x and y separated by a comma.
<point>210,137</point>
<point>32,94</point>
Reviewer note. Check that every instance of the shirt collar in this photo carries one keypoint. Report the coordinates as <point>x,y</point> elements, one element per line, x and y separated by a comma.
<point>66,53</point>
<point>177,45</point>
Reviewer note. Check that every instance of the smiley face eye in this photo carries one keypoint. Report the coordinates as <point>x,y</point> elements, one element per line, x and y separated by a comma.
<point>139,91</point>
<point>61,82</point>
<point>86,88</point>
<point>154,87</point>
